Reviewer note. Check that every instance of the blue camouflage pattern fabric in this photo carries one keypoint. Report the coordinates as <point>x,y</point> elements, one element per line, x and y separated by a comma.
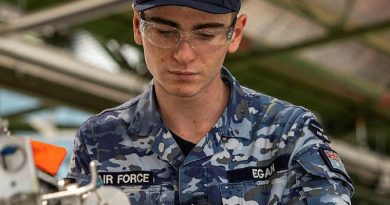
<point>261,151</point>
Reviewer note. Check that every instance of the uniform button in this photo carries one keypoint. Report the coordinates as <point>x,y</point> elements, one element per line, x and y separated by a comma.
<point>161,147</point>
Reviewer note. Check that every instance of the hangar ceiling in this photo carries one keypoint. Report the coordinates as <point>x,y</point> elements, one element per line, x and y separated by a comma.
<point>332,57</point>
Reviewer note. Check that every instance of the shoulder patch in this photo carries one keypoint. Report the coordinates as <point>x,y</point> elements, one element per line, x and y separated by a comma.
<point>316,128</point>
<point>333,161</point>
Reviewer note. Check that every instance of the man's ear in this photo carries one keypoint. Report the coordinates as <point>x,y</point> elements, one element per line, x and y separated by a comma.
<point>136,27</point>
<point>238,33</point>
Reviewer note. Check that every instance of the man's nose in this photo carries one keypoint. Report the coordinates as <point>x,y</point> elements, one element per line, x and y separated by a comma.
<point>184,53</point>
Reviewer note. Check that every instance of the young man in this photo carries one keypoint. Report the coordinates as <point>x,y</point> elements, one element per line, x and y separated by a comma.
<point>195,136</point>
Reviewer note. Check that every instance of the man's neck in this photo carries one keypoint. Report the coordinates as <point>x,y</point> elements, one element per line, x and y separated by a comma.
<point>191,118</point>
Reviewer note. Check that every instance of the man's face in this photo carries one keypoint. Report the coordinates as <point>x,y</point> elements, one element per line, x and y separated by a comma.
<point>191,66</point>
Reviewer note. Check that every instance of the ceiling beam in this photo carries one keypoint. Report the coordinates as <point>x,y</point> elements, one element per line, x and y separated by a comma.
<point>52,74</point>
<point>378,41</point>
<point>365,95</point>
<point>24,111</point>
<point>335,36</point>
<point>66,15</point>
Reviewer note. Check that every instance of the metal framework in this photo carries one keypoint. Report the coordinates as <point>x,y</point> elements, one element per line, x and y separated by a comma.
<point>49,73</point>
<point>66,15</point>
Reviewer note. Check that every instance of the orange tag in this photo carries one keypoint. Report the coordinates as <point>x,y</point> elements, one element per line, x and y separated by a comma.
<point>47,157</point>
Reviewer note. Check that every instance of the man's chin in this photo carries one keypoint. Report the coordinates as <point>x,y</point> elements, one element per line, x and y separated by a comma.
<point>183,92</point>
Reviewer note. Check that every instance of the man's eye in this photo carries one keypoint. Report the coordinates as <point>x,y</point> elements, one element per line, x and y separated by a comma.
<point>165,32</point>
<point>206,35</point>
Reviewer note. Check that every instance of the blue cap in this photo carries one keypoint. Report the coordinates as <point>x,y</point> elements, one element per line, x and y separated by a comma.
<point>210,6</point>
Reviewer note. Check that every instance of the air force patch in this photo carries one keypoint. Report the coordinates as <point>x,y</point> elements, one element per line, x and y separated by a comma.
<point>333,161</point>
<point>127,178</point>
<point>316,128</point>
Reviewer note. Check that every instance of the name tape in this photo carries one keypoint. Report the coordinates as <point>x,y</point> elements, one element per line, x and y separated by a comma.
<point>127,178</point>
<point>259,173</point>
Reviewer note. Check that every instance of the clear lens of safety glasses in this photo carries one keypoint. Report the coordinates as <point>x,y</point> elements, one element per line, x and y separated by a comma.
<point>164,36</point>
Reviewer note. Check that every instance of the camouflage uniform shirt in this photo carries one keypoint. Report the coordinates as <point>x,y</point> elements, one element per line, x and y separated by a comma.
<point>260,151</point>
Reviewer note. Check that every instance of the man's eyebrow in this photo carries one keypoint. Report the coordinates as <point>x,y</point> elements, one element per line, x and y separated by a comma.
<point>164,21</point>
<point>160,20</point>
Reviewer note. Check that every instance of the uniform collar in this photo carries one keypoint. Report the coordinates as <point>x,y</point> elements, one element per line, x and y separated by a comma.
<point>146,118</point>
<point>234,121</point>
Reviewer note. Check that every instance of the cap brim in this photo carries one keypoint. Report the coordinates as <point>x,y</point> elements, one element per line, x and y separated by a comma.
<point>202,6</point>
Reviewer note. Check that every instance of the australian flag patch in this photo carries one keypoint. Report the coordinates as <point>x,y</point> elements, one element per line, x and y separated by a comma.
<point>333,161</point>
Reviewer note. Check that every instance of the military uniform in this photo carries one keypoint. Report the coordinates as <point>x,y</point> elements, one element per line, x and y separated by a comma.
<point>260,151</point>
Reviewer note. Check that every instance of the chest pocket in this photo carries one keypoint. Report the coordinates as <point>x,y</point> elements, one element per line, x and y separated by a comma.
<point>262,192</point>
<point>152,195</point>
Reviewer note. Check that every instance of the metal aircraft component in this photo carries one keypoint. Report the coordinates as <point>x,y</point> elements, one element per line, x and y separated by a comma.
<point>89,194</point>
<point>23,184</point>
<point>19,184</point>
